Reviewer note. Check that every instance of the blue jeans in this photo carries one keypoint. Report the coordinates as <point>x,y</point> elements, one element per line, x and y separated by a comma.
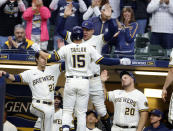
<point>3,39</point>
<point>141,26</point>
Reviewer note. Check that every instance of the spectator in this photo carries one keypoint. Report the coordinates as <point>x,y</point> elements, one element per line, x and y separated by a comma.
<point>19,41</point>
<point>155,120</point>
<point>161,23</point>
<point>124,38</point>
<point>115,4</point>
<point>36,28</point>
<point>7,126</point>
<point>10,14</point>
<point>94,9</point>
<point>73,20</point>
<point>141,15</point>
<point>91,120</point>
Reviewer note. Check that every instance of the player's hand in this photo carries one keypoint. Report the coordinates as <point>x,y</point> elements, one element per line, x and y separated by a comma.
<point>164,95</point>
<point>2,73</point>
<point>60,43</point>
<point>39,3</point>
<point>125,61</point>
<point>44,54</point>
<point>104,76</point>
<point>68,10</point>
<point>107,11</point>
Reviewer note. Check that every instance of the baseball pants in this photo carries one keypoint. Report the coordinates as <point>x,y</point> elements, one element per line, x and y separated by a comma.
<point>45,112</point>
<point>97,95</point>
<point>116,128</point>
<point>76,94</point>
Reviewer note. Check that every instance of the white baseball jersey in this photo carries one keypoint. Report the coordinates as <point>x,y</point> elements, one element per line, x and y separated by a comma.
<point>95,129</point>
<point>97,42</point>
<point>42,83</point>
<point>171,59</point>
<point>57,120</point>
<point>78,57</point>
<point>127,106</point>
<point>7,126</point>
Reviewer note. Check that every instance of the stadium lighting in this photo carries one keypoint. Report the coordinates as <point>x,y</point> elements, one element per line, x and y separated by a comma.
<point>151,73</point>
<point>155,93</point>
<point>17,67</point>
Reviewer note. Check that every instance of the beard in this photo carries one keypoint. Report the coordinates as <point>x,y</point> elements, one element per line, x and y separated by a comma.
<point>126,85</point>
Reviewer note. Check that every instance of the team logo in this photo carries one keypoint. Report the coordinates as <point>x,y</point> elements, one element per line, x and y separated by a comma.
<point>146,104</point>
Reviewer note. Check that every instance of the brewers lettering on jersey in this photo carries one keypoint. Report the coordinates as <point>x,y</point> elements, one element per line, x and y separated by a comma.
<point>42,82</point>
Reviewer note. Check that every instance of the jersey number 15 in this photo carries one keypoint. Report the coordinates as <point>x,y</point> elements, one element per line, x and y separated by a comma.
<point>78,61</point>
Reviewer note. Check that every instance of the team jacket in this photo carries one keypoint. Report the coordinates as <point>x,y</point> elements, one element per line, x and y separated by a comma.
<point>162,127</point>
<point>26,45</point>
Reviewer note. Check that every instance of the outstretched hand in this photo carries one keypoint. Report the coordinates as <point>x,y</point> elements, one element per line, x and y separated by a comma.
<point>104,76</point>
<point>164,95</point>
<point>107,11</point>
<point>68,10</point>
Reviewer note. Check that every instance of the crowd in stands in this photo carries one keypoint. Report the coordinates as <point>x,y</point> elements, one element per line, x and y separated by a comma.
<point>40,19</point>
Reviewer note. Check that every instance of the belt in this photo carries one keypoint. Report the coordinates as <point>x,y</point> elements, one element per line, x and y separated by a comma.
<point>126,126</point>
<point>83,77</point>
<point>95,75</point>
<point>44,102</point>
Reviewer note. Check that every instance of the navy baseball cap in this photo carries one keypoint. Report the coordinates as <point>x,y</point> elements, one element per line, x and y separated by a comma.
<point>157,112</point>
<point>127,73</point>
<point>88,24</point>
<point>92,111</point>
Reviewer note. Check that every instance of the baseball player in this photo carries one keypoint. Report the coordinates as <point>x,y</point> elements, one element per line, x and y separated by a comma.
<point>42,82</point>
<point>78,56</point>
<point>168,81</point>
<point>91,121</point>
<point>96,90</point>
<point>130,105</point>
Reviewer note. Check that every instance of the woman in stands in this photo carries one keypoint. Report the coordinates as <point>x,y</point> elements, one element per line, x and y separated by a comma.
<point>124,38</point>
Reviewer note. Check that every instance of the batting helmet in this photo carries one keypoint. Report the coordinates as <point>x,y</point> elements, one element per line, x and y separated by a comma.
<point>77,33</point>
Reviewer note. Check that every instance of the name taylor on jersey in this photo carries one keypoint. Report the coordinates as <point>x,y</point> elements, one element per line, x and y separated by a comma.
<point>43,79</point>
<point>127,100</point>
<point>78,49</point>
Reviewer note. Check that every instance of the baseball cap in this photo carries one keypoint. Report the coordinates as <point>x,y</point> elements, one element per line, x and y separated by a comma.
<point>88,24</point>
<point>157,112</point>
<point>92,111</point>
<point>127,73</point>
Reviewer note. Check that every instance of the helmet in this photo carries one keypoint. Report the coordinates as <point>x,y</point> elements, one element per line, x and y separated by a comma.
<point>77,33</point>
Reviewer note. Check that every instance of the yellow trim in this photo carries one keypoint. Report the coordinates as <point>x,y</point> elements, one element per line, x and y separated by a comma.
<point>37,129</point>
<point>21,77</point>
<point>49,56</point>
<point>143,110</point>
<point>101,28</point>
<point>43,116</point>
<point>66,35</point>
<point>7,43</point>
<point>103,39</point>
<point>107,96</point>
<point>170,65</point>
<point>30,42</point>
<point>134,31</point>
<point>57,57</point>
<point>99,60</point>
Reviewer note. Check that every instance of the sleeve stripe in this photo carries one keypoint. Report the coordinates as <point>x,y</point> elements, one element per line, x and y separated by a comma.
<point>99,60</point>
<point>170,65</point>
<point>134,31</point>
<point>143,110</point>
<point>107,96</point>
<point>20,77</point>
<point>66,36</point>
<point>57,57</point>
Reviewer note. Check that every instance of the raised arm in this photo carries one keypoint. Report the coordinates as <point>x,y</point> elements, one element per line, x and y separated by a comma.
<point>154,5</point>
<point>11,77</point>
<point>2,2</point>
<point>54,4</point>
<point>21,6</point>
<point>82,6</point>
<point>112,26</point>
